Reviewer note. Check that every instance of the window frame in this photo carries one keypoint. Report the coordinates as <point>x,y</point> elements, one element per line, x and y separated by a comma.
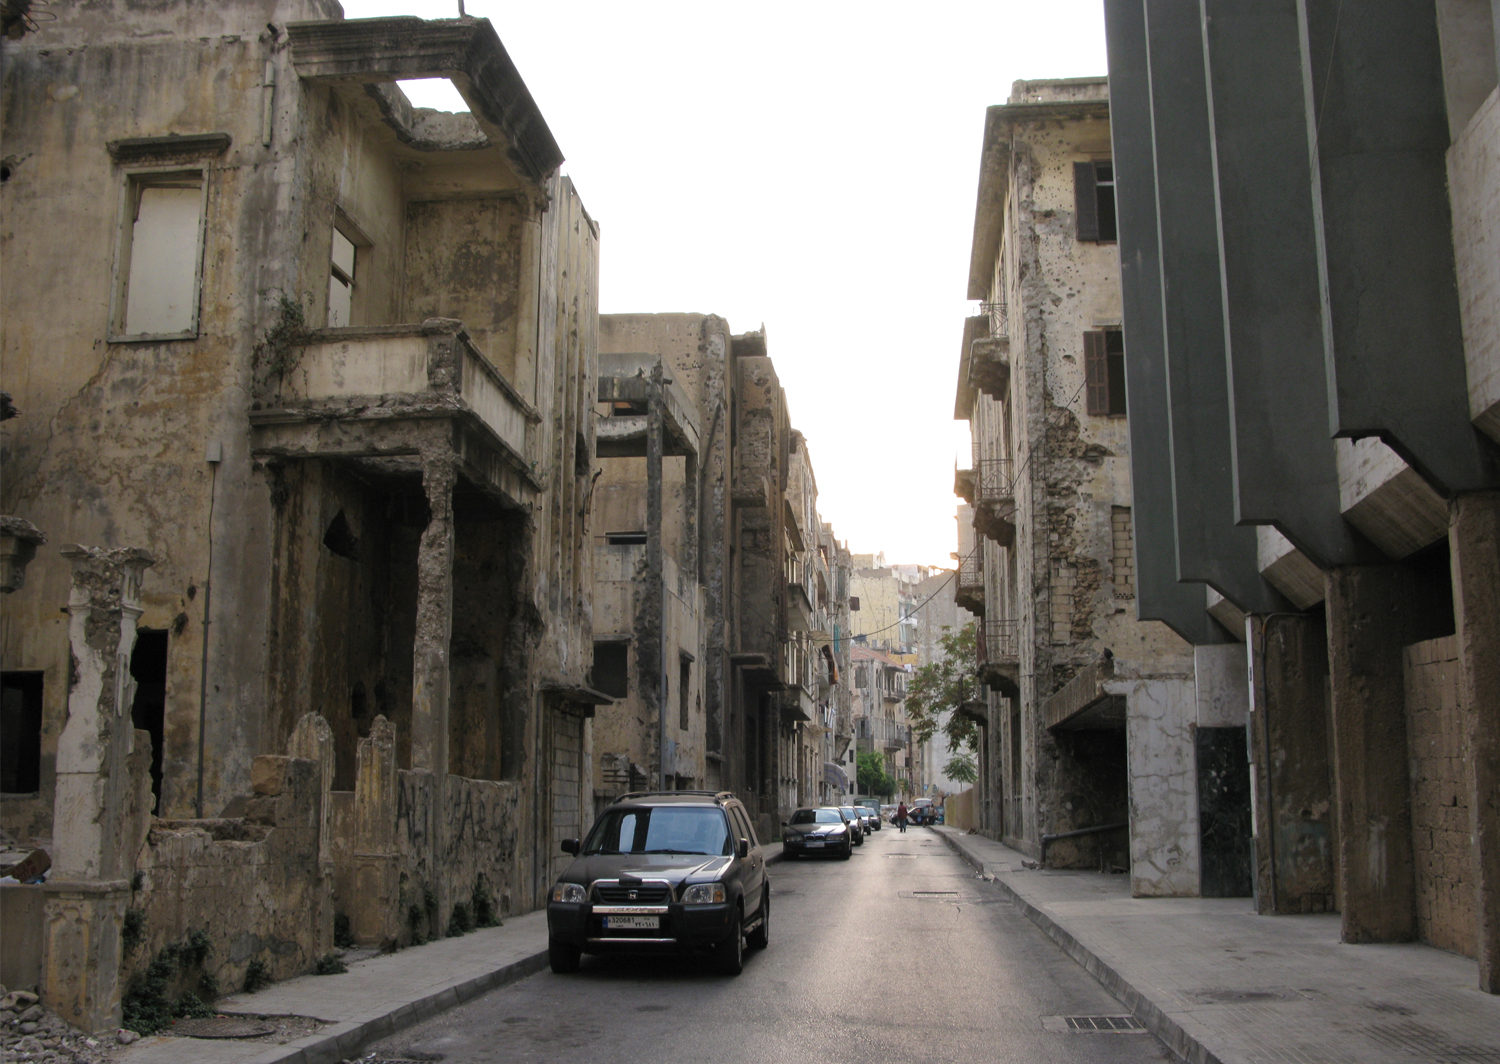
<point>140,177</point>
<point>350,230</point>
<point>1086,212</point>
<point>1104,373</point>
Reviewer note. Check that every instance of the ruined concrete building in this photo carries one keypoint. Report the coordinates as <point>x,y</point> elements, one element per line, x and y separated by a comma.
<point>1094,723</point>
<point>1308,215</point>
<point>312,372</point>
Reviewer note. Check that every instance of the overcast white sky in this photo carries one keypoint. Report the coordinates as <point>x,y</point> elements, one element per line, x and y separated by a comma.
<point>810,166</point>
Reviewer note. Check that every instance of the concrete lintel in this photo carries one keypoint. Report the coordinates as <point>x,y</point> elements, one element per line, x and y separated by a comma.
<point>1159,597</point>
<point>466,50</point>
<point>1396,369</point>
<point>1210,548</point>
<point>1283,463</point>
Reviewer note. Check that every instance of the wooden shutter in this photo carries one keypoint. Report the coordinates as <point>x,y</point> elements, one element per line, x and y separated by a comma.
<point>1085,201</point>
<point>1096,370</point>
<point>1114,345</point>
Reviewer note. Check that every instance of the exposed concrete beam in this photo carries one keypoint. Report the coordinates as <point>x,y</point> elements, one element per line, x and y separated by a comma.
<point>1159,596</point>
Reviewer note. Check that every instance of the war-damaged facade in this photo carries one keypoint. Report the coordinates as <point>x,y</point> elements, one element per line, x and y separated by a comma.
<point>1308,222</point>
<point>1091,717</point>
<point>312,374</point>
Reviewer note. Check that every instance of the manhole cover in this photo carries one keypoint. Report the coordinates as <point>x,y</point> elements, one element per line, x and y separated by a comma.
<point>1245,996</point>
<point>1094,1024</point>
<point>222,1027</point>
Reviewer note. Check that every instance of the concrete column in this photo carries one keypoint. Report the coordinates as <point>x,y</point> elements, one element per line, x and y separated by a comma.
<point>1159,736</point>
<point>1474,539</point>
<point>312,740</point>
<point>430,681</point>
<point>103,792</point>
<point>1290,775</point>
<point>653,650</point>
<point>1368,625</point>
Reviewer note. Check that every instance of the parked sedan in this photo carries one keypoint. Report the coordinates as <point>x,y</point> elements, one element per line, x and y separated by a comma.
<point>856,825</point>
<point>817,831</point>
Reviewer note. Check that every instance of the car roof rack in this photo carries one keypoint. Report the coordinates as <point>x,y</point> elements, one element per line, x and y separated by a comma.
<point>718,796</point>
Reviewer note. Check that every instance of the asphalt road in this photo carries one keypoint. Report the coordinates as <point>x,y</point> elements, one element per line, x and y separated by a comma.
<point>897,955</point>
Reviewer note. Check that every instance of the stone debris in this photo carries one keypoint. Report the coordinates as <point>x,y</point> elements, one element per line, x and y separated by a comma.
<point>30,1032</point>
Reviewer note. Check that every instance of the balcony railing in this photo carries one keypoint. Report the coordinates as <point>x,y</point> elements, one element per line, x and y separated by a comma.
<point>999,321</point>
<point>999,642</point>
<point>995,479</point>
<point>968,590</point>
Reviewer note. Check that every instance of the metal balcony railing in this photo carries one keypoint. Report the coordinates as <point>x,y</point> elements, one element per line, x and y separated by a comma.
<point>999,322</point>
<point>995,479</point>
<point>999,642</point>
<point>971,571</point>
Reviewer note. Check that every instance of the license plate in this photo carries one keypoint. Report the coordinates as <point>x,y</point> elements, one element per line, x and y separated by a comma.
<point>632,923</point>
<point>813,844</point>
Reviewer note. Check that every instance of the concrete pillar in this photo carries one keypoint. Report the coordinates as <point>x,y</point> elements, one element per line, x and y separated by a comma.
<point>430,680</point>
<point>312,740</point>
<point>653,650</point>
<point>1291,779</point>
<point>1159,736</point>
<point>102,797</point>
<point>1474,540</point>
<point>1368,624</point>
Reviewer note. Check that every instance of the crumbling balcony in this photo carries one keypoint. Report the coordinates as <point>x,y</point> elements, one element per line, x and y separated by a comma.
<point>968,586</point>
<point>998,653</point>
<point>989,355</point>
<point>365,393</point>
<point>995,508</point>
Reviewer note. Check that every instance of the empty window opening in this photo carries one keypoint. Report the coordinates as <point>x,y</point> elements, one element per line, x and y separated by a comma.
<point>625,539</point>
<point>1094,201</point>
<point>340,538</point>
<point>21,727</point>
<point>439,94</point>
<point>684,684</point>
<point>611,675</point>
<point>148,668</point>
<point>1104,365</point>
<point>161,252</point>
<point>628,408</point>
<point>341,281</point>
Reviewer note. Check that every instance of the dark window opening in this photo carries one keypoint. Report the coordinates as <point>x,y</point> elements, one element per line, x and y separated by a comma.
<point>684,682</point>
<point>1104,366</point>
<point>854,604</point>
<point>21,729</point>
<point>625,539</point>
<point>582,460</point>
<point>628,408</point>
<point>1094,201</point>
<point>340,538</point>
<point>611,675</point>
<point>148,668</point>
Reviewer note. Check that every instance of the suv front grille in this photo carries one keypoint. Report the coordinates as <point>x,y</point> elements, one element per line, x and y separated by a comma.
<point>645,894</point>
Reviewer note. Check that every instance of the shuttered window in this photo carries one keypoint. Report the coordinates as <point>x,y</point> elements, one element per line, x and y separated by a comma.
<point>1104,366</point>
<point>1094,200</point>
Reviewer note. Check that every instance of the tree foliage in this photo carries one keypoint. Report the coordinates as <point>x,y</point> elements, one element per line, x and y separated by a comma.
<point>961,769</point>
<point>939,688</point>
<point>872,776</point>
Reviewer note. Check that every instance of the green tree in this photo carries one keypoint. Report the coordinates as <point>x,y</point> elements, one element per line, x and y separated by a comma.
<point>938,690</point>
<point>871,775</point>
<point>961,769</point>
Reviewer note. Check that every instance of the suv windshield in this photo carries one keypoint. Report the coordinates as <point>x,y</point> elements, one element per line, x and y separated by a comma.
<point>817,816</point>
<point>661,829</point>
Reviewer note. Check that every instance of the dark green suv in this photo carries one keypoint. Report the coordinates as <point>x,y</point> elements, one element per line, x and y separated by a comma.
<point>663,870</point>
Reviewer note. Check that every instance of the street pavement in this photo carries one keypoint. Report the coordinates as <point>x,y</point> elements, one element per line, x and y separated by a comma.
<point>1214,981</point>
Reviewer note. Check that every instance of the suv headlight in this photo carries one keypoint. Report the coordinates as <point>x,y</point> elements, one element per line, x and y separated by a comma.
<point>704,894</point>
<point>569,892</point>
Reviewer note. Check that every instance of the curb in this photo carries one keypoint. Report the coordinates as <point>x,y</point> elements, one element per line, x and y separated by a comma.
<point>1184,1045</point>
<point>341,1041</point>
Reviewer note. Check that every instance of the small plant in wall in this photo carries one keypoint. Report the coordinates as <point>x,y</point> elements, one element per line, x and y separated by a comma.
<point>280,347</point>
<point>257,976</point>
<point>330,964</point>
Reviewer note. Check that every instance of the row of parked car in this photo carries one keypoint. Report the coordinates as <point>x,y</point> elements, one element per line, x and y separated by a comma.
<point>832,830</point>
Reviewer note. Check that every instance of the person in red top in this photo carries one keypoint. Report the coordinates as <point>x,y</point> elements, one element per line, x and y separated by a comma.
<point>901,815</point>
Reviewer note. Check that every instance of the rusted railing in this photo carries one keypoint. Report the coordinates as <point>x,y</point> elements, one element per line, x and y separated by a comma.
<point>971,571</point>
<point>995,479</point>
<point>999,322</point>
<point>999,642</point>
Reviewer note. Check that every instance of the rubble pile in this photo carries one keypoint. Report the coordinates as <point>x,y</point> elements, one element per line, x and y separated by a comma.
<point>29,1032</point>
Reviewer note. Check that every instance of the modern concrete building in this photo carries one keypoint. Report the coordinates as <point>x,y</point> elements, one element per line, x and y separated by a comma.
<point>311,371</point>
<point>1308,212</point>
<point>1097,751</point>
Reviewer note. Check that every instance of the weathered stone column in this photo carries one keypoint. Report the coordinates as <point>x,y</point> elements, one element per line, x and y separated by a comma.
<point>1474,540</point>
<point>99,805</point>
<point>430,680</point>
<point>312,740</point>
<point>1368,624</point>
<point>1291,780</point>
<point>374,908</point>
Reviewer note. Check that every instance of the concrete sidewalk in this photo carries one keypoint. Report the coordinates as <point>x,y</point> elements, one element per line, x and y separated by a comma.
<point>1221,985</point>
<point>375,998</point>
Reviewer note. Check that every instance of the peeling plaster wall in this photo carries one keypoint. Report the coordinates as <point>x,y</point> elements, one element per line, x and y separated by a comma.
<point>1160,721</point>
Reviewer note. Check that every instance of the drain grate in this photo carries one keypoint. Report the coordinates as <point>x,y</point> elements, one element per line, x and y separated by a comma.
<point>1431,1044</point>
<point>1094,1024</point>
<point>934,894</point>
<point>908,856</point>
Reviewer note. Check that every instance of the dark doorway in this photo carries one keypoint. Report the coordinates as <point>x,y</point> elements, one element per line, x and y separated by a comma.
<point>148,668</point>
<point>1224,813</point>
<point>20,732</point>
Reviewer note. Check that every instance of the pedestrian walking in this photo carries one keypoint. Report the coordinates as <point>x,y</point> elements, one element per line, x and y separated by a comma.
<point>901,816</point>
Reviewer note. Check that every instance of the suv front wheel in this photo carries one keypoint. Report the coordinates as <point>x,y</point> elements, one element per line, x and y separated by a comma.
<point>760,938</point>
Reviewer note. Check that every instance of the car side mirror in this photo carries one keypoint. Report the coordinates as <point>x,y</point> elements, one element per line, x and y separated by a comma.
<point>570,846</point>
<point>743,848</point>
<point>785,824</point>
